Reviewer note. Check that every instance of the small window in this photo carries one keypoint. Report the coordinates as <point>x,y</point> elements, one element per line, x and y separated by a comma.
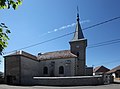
<point>61,70</point>
<point>45,70</point>
<point>77,54</point>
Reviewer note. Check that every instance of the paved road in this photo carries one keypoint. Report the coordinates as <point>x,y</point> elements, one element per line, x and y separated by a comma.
<point>111,86</point>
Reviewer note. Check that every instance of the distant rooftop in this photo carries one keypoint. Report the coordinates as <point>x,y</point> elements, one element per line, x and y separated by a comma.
<point>114,69</point>
<point>100,69</point>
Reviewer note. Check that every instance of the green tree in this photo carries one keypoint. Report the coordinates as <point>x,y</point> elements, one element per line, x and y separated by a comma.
<point>10,3</point>
<point>4,31</point>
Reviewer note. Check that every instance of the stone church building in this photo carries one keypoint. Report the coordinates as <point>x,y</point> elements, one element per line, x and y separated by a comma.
<point>21,67</point>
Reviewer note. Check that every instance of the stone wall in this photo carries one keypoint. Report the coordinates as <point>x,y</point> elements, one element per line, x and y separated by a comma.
<point>12,69</point>
<point>20,69</point>
<point>29,68</point>
<point>69,81</point>
<point>53,66</point>
<point>2,80</point>
<point>89,71</point>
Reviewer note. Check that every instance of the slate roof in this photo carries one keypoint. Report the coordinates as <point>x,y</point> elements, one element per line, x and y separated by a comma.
<point>114,69</point>
<point>63,54</point>
<point>100,69</point>
<point>78,31</point>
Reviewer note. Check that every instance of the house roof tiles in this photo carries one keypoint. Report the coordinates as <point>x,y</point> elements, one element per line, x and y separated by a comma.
<point>56,55</point>
<point>100,69</point>
<point>114,69</point>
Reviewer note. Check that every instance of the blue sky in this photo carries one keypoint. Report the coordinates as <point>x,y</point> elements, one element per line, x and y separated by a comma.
<point>34,19</point>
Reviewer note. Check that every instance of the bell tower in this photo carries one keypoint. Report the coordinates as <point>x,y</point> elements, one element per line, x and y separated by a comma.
<point>78,47</point>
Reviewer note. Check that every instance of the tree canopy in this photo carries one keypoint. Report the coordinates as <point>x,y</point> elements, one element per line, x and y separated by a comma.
<point>10,3</point>
<point>4,31</point>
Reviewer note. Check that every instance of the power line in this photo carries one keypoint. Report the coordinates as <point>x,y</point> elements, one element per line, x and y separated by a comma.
<point>109,62</point>
<point>67,35</point>
<point>41,42</point>
<point>104,43</point>
<point>102,23</point>
<point>91,46</point>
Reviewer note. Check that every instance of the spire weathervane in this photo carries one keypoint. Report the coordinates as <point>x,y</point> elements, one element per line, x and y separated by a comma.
<point>77,13</point>
<point>78,31</point>
<point>77,10</point>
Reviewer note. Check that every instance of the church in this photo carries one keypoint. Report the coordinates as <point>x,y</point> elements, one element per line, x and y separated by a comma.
<point>21,67</point>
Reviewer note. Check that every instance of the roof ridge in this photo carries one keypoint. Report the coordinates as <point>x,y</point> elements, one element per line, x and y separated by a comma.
<point>55,51</point>
<point>114,69</point>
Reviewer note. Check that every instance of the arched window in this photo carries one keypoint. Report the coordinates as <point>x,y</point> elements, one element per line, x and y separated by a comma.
<point>61,70</point>
<point>45,70</point>
<point>77,54</point>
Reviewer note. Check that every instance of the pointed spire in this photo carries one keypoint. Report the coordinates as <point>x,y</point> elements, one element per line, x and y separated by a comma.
<point>77,14</point>
<point>78,31</point>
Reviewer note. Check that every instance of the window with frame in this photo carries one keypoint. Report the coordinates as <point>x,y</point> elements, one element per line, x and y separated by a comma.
<point>61,70</point>
<point>45,70</point>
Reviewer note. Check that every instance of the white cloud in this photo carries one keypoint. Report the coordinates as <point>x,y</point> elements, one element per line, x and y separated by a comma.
<point>64,27</point>
<point>73,24</point>
<point>55,30</point>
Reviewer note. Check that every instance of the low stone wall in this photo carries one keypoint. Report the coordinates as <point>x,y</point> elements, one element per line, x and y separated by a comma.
<point>69,81</point>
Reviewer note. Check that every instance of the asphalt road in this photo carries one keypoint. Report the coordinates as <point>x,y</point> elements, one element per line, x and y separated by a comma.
<point>110,86</point>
